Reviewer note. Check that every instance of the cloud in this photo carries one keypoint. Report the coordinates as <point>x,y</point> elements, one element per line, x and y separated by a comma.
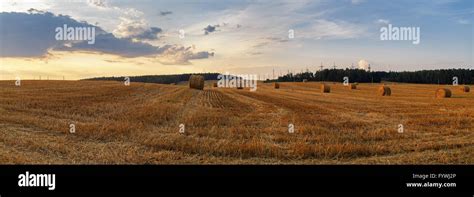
<point>181,55</point>
<point>463,21</point>
<point>108,43</point>
<point>164,13</point>
<point>149,34</point>
<point>266,41</point>
<point>275,18</point>
<point>33,35</point>
<point>255,53</point>
<point>133,24</point>
<point>382,21</point>
<point>35,11</point>
<point>136,29</point>
<point>363,64</point>
<point>97,3</point>
<point>276,39</point>
<point>328,29</point>
<point>210,28</point>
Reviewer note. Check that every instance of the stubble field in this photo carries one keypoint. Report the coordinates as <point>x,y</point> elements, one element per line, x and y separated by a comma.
<point>140,124</point>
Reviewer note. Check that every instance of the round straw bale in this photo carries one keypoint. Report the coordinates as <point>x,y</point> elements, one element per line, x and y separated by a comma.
<point>352,86</point>
<point>276,85</point>
<point>385,91</point>
<point>465,88</point>
<point>443,93</point>
<point>196,82</point>
<point>214,84</point>
<point>325,88</point>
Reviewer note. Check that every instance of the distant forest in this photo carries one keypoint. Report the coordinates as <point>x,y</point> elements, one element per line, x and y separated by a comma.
<point>163,79</point>
<point>444,76</point>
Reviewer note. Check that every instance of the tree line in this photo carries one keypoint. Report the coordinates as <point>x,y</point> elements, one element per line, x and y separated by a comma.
<point>163,79</point>
<point>442,76</point>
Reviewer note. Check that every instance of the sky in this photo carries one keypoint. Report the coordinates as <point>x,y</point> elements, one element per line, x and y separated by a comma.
<point>147,37</point>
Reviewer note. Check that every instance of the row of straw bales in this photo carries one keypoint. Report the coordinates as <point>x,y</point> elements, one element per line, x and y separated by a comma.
<point>197,82</point>
<point>385,90</point>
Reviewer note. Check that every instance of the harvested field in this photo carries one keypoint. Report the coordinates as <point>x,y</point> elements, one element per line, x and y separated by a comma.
<point>139,124</point>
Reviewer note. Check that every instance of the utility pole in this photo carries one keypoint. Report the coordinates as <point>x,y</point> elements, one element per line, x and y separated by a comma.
<point>321,67</point>
<point>334,66</point>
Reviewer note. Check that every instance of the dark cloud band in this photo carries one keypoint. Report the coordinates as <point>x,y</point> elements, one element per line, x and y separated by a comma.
<point>33,35</point>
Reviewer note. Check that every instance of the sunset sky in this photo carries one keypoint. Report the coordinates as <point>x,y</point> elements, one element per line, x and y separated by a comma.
<point>142,37</point>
